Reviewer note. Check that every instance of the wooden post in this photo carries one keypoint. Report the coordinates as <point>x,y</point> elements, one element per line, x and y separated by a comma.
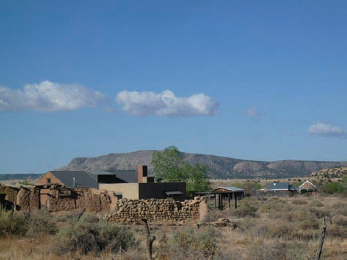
<point>321,241</point>
<point>80,215</point>
<point>150,240</point>
<point>235,200</point>
<point>220,201</point>
<point>229,199</point>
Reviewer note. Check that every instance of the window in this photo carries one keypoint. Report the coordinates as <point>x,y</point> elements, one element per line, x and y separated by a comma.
<point>48,180</point>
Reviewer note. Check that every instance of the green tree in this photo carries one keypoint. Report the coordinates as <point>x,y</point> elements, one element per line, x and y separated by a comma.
<point>197,178</point>
<point>170,166</point>
<point>333,187</point>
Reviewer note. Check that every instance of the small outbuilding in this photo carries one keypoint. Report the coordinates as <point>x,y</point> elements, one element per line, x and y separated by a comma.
<point>226,193</point>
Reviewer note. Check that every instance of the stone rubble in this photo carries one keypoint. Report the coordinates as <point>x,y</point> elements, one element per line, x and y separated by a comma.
<point>155,210</point>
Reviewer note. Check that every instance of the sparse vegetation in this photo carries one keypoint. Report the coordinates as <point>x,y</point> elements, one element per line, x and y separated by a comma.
<point>188,244</point>
<point>84,236</point>
<point>333,188</point>
<point>272,228</point>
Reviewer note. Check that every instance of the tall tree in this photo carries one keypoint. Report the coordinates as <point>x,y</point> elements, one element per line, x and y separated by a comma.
<point>170,167</point>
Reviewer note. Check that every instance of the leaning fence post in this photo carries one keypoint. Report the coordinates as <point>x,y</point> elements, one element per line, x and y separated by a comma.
<point>321,241</point>
<point>150,240</point>
<point>80,215</point>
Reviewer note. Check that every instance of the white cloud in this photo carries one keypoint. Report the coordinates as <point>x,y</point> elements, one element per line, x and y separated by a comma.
<point>49,96</point>
<point>321,129</point>
<point>166,104</point>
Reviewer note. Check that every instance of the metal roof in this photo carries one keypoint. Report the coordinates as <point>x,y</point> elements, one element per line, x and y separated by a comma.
<point>102,172</point>
<point>88,179</point>
<point>126,176</point>
<point>277,186</point>
<point>82,179</point>
<point>230,188</point>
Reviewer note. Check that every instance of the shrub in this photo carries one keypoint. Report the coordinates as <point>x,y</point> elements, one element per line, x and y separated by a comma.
<point>18,225</point>
<point>333,230</point>
<point>299,202</point>
<point>40,222</point>
<point>333,187</point>
<point>340,220</point>
<point>278,249</point>
<point>112,237</point>
<point>316,203</point>
<point>191,242</point>
<point>88,237</point>
<point>246,210</point>
<point>308,224</point>
<point>262,250</point>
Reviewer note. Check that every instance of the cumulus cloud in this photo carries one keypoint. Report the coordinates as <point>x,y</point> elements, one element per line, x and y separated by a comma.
<point>166,104</point>
<point>326,130</point>
<point>49,96</point>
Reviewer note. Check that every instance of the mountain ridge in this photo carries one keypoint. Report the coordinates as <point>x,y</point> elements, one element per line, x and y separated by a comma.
<point>221,167</point>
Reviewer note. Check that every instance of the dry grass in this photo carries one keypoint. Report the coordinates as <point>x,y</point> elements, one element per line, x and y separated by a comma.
<point>276,228</point>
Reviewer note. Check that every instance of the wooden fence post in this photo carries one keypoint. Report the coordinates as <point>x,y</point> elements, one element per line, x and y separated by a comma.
<point>80,215</point>
<point>321,241</point>
<point>150,240</point>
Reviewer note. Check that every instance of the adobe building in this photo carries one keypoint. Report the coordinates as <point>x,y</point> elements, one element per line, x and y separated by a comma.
<point>125,184</point>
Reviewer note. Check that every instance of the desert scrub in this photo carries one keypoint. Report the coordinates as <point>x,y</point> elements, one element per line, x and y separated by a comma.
<point>316,204</point>
<point>17,226</point>
<point>202,241</point>
<point>279,249</point>
<point>40,222</point>
<point>309,224</point>
<point>188,244</point>
<point>246,210</point>
<point>299,202</point>
<point>85,237</point>
<point>214,215</point>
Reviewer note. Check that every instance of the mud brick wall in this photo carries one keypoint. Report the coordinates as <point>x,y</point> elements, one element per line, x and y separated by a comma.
<point>155,210</point>
<point>24,198</point>
<point>8,196</point>
<point>28,199</point>
<point>91,199</point>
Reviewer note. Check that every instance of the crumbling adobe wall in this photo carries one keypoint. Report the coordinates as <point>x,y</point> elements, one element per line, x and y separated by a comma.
<point>28,199</point>
<point>8,196</point>
<point>24,198</point>
<point>155,210</point>
<point>92,200</point>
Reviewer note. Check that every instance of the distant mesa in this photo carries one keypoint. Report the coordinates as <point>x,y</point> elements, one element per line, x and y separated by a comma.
<point>220,167</point>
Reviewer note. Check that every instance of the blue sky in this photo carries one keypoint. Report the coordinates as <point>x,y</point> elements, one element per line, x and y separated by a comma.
<point>258,80</point>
